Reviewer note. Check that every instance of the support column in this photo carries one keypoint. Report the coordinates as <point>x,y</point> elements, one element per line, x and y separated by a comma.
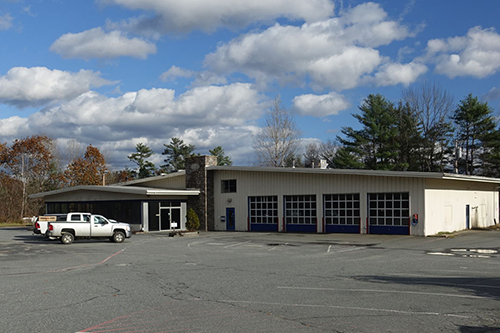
<point>198,178</point>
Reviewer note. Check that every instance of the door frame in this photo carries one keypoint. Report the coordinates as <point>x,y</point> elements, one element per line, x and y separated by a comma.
<point>467,217</point>
<point>228,227</point>
<point>169,210</point>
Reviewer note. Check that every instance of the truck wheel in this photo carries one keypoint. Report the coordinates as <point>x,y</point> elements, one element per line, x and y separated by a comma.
<point>118,237</point>
<point>67,238</point>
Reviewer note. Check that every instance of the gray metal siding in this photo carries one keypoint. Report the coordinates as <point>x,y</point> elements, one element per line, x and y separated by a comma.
<point>172,183</point>
<point>280,184</point>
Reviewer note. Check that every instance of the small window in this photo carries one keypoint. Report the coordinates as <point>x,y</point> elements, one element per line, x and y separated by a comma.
<point>229,186</point>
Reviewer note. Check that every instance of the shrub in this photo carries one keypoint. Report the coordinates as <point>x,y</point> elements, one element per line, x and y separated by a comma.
<point>193,222</point>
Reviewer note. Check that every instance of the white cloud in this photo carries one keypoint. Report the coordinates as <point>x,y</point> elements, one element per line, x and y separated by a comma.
<point>394,73</point>
<point>320,105</point>
<point>208,15</point>
<point>493,94</point>
<point>205,116</point>
<point>175,72</point>
<point>5,22</point>
<point>337,53</point>
<point>203,78</point>
<point>95,43</point>
<point>477,54</point>
<point>37,86</point>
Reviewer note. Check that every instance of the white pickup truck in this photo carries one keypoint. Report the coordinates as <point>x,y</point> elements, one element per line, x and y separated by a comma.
<point>86,225</point>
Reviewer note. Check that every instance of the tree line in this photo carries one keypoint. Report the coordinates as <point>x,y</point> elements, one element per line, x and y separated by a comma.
<point>175,153</point>
<point>34,164</point>
<point>424,131</point>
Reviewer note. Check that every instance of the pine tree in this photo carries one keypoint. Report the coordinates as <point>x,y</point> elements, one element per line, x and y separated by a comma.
<point>374,146</point>
<point>491,154</point>
<point>475,130</point>
<point>143,152</point>
<point>222,159</point>
<point>409,138</point>
<point>177,152</point>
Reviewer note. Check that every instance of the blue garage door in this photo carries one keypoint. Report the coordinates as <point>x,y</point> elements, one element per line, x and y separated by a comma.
<point>389,213</point>
<point>263,213</point>
<point>300,213</point>
<point>341,212</point>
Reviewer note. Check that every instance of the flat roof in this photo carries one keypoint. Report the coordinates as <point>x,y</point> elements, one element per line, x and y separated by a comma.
<point>150,191</point>
<point>360,172</point>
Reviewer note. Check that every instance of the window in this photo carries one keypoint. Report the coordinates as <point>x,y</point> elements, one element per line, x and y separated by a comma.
<point>300,209</point>
<point>391,209</point>
<point>342,209</point>
<point>99,220</point>
<point>229,186</point>
<point>263,209</point>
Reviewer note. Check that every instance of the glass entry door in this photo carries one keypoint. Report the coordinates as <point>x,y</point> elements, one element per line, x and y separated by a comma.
<point>164,218</point>
<point>170,218</point>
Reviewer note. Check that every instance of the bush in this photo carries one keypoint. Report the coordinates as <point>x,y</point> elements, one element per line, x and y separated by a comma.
<point>193,222</point>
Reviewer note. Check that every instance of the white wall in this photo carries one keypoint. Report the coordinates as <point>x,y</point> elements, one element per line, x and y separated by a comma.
<point>446,201</point>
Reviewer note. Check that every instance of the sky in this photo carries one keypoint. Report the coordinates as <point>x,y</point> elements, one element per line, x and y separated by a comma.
<point>115,73</point>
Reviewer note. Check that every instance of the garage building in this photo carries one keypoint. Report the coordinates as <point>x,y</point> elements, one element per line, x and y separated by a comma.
<point>292,200</point>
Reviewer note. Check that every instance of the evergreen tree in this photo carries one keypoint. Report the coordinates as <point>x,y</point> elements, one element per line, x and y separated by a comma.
<point>192,220</point>
<point>374,146</point>
<point>409,138</point>
<point>491,154</point>
<point>475,131</point>
<point>146,168</point>
<point>222,159</point>
<point>177,152</point>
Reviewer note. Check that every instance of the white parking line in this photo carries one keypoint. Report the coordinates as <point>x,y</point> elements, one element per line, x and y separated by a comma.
<point>236,244</point>
<point>383,291</point>
<point>353,248</point>
<point>347,308</point>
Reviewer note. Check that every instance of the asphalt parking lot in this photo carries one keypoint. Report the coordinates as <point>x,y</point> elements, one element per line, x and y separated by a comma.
<point>251,282</point>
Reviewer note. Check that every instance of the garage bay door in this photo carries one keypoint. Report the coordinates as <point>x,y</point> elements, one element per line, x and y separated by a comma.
<point>341,212</point>
<point>389,213</point>
<point>300,213</point>
<point>263,213</point>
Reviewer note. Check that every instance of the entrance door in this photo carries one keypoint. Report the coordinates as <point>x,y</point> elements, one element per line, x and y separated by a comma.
<point>169,216</point>
<point>164,218</point>
<point>230,219</point>
<point>175,217</point>
<point>467,216</point>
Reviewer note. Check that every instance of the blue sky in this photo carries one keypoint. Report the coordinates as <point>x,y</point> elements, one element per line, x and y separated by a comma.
<point>113,73</point>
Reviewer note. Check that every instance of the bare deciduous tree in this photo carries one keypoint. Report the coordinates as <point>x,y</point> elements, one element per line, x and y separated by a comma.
<point>328,151</point>
<point>312,156</point>
<point>279,137</point>
<point>432,105</point>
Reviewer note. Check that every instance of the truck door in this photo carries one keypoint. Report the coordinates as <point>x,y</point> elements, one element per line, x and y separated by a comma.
<point>100,227</point>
